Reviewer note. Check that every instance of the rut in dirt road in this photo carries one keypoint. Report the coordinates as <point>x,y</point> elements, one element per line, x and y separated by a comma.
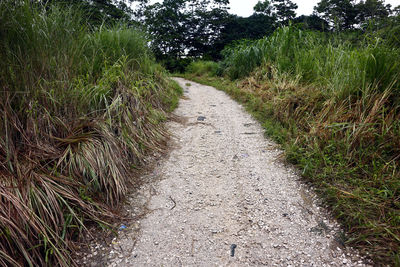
<point>224,197</point>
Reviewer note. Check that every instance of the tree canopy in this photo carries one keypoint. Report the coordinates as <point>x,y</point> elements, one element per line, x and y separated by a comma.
<point>281,10</point>
<point>341,14</point>
<point>185,27</point>
<point>346,14</point>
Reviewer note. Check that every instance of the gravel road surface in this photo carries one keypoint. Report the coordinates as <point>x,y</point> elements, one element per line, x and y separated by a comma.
<point>224,197</point>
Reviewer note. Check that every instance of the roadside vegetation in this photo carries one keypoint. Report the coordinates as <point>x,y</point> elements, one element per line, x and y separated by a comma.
<point>335,109</point>
<point>80,107</point>
<point>82,101</point>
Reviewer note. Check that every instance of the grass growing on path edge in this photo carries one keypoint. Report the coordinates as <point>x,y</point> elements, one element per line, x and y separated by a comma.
<point>364,202</point>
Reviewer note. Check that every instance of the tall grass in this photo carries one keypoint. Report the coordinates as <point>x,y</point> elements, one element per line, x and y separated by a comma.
<point>79,108</point>
<point>204,67</point>
<point>336,110</point>
<point>328,63</point>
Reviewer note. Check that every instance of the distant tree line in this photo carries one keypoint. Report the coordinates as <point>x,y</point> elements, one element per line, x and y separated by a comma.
<point>184,29</point>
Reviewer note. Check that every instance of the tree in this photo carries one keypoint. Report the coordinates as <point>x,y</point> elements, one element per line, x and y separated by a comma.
<point>281,10</point>
<point>254,27</point>
<point>181,28</point>
<point>396,11</point>
<point>205,22</point>
<point>166,24</point>
<point>372,10</point>
<point>285,9</point>
<point>264,8</point>
<point>139,9</point>
<point>341,14</point>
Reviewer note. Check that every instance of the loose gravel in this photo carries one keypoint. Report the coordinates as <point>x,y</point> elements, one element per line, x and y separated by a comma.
<point>224,197</point>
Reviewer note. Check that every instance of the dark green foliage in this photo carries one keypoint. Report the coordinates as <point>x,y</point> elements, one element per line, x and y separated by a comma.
<point>312,22</point>
<point>347,14</point>
<point>184,28</point>
<point>281,10</point>
<point>202,29</point>
<point>254,27</point>
<point>265,8</point>
<point>196,29</point>
<point>285,9</point>
<point>178,65</point>
<point>266,18</point>
<point>340,13</point>
<point>396,10</point>
<point>372,10</point>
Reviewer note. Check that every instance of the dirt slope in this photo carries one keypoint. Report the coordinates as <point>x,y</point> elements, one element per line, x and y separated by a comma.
<point>224,186</point>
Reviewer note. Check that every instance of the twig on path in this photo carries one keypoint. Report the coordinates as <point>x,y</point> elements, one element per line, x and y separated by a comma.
<point>173,202</point>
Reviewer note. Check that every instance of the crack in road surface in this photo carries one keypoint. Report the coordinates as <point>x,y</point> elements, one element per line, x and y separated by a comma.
<point>224,197</point>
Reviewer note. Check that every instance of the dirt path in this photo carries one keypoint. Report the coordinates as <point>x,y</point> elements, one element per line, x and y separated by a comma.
<point>225,186</point>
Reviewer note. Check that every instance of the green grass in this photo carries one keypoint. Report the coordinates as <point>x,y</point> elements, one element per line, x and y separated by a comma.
<point>336,112</point>
<point>79,108</point>
<point>314,58</point>
<point>203,67</point>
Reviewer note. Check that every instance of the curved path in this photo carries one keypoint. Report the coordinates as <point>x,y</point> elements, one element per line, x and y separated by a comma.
<point>224,197</point>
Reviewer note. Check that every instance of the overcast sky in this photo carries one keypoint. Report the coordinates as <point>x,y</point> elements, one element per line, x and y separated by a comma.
<point>244,8</point>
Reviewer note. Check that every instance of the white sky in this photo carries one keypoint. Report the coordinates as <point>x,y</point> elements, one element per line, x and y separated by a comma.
<point>244,8</point>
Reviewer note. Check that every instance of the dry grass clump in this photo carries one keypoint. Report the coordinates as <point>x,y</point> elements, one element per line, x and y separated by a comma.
<point>78,109</point>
